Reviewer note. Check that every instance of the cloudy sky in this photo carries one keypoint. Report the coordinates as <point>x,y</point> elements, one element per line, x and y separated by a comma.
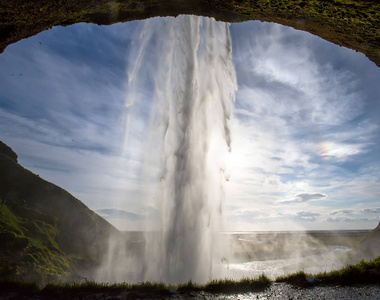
<point>305,134</point>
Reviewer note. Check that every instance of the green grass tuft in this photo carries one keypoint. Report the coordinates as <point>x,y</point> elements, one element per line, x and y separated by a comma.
<point>361,273</point>
<point>241,286</point>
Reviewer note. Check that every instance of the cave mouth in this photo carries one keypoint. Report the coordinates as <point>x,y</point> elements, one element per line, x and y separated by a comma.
<point>304,131</point>
<point>305,108</point>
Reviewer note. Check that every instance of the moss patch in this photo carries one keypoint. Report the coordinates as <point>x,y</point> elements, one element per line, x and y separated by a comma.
<point>28,247</point>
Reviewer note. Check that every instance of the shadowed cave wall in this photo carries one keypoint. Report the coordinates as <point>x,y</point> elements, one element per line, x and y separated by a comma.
<point>352,24</point>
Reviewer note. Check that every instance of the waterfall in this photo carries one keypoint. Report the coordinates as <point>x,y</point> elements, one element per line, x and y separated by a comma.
<point>191,82</point>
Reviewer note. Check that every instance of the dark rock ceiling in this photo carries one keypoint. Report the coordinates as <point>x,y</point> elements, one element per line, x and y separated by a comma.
<point>348,23</point>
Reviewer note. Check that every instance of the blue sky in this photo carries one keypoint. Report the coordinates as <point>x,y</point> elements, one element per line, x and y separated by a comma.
<point>305,133</point>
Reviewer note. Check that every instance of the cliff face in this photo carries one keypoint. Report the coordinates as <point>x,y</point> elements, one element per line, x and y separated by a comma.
<point>371,243</point>
<point>7,151</point>
<point>45,233</point>
<point>353,24</point>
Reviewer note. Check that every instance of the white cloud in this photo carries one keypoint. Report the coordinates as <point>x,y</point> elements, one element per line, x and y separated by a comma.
<point>265,216</point>
<point>341,151</point>
<point>354,215</point>
<point>375,210</point>
<point>351,220</point>
<point>305,197</point>
<point>342,212</point>
<point>113,213</point>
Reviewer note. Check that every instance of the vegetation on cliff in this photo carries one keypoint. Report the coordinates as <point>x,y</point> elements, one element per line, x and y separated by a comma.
<point>29,250</point>
<point>45,233</point>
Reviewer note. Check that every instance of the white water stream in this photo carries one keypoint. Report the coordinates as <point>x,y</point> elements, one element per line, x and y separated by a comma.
<point>193,84</point>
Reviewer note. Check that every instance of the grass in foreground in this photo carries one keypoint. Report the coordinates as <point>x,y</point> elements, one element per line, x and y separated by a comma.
<point>362,273</point>
<point>214,286</point>
<point>148,288</point>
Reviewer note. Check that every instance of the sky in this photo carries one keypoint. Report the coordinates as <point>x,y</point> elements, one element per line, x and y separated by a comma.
<point>305,133</point>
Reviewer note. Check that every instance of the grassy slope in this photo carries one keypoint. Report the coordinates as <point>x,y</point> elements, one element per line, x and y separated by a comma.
<point>43,229</point>
<point>353,24</point>
<point>29,250</point>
